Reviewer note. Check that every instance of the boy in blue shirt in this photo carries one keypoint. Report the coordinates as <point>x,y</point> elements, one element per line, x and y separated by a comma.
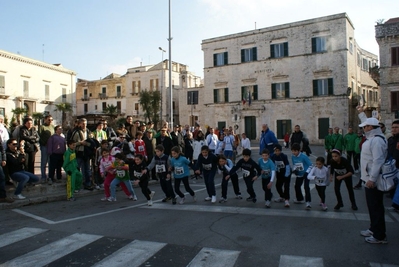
<point>268,175</point>
<point>301,164</point>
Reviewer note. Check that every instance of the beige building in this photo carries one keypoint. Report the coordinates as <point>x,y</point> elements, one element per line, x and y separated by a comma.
<point>34,85</point>
<point>309,73</point>
<point>387,36</point>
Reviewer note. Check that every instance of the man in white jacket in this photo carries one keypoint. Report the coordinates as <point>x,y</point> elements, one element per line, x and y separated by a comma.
<point>373,155</point>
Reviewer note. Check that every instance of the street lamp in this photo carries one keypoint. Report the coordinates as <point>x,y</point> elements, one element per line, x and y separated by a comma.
<point>162,81</point>
<point>170,68</point>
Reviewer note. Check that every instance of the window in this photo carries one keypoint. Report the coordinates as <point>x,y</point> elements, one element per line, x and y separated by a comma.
<point>85,108</point>
<point>249,93</point>
<point>395,56</point>
<point>2,85</point>
<point>279,50</point>
<point>324,124</point>
<point>365,64</point>
<point>283,127</point>
<point>119,107</point>
<point>192,98</point>
<point>394,101</point>
<point>221,95</point>
<point>104,90</point>
<point>249,54</point>
<point>320,44</point>
<point>118,91</point>
<point>351,47</point>
<point>358,59</point>
<point>220,59</point>
<point>280,90</point>
<point>64,95</point>
<point>323,87</point>
<point>26,88</point>
<point>46,92</point>
<point>104,104</point>
<point>136,87</point>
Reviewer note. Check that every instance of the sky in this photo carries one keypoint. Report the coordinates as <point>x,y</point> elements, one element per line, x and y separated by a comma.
<point>97,37</point>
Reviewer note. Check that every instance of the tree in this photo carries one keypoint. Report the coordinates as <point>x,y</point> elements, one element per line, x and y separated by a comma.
<point>112,111</point>
<point>150,102</point>
<point>37,116</point>
<point>65,108</point>
<point>18,112</point>
<point>374,73</point>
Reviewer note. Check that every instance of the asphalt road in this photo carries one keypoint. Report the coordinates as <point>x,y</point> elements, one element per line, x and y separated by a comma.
<point>90,232</point>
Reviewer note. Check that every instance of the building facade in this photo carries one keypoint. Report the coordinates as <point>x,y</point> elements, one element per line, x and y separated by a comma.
<point>34,85</point>
<point>309,73</point>
<point>387,36</point>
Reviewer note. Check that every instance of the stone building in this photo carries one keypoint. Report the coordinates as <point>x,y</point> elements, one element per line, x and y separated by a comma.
<point>387,36</point>
<point>34,85</point>
<point>309,73</point>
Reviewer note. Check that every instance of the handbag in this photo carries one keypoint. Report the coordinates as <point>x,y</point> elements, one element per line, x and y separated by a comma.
<point>388,176</point>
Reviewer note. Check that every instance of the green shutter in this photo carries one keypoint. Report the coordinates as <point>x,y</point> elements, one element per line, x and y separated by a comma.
<point>226,95</point>
<point>274,96</point>
<point>255,92</point>
<point>242,55</point>
<point>272,51</point>
<point>286,49</point>
<point>226,58</point>
<point>315,87</point>
<point>243,92</point>
<point>215,95</point>
<point>314,45</point>
<point>215,60</point>
<point>330,87</point>
<point>287,89</point>
<point>255,54</point>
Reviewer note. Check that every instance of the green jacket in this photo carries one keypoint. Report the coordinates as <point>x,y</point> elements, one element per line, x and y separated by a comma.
<point>349,141</point>
<point>70,162</point>
<point>338,141</point>
<point>328,142</point>
<point>358,140</point>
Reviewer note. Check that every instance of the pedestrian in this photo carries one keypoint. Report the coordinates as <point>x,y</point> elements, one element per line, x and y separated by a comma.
<point>99,134</point>
<point>165,140</point>
<point>150,144</point>
<point>297,137</point>
<point>29,134</point>
<point>121,171</point>
<point>328,144</point>
<point>141,178</point>
<point>245,142</point>
<point>179,165</point>
<point>393,152</point>
<point>212,140</point>
<point>250,172</point>
<point>139,145</point>
<point>160,165</point>
<point>46,130</point>
<point>189,145</point>
<point>224,167</point>
<point>342,170</point>
<point>207,165</point>
<point>321,177</point>
<point>268,175</point>
<point>56,147</point>
<point>349,146</point>
<point>3,160</point>
<point>286,139</point>
<point>358,149</point>
<point>228,145</point>
<point>301,165</point>
<point>267,139</point>
<point>110,132</point>
<point>283,176</point>
<point>70,165</point>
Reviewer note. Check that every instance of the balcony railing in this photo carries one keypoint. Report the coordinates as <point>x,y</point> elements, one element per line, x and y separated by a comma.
<point>85,98</point>
<point>102,96</point>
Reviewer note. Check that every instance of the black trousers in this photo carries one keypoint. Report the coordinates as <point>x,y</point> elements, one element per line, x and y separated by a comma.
<point>55,165</point>
<point>186,186</point>
<point>375,205</point>
<point>283,184</point>
<point>298,192</point>
<point>234,181</point>
<point>349,186</point>
<point>321,190</point>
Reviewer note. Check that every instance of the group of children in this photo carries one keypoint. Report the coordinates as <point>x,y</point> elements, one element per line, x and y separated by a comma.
<point>271,167</point>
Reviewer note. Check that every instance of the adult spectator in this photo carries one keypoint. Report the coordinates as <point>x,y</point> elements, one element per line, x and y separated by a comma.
<point>337,140</point>
<point>297,137</point>
<point>111,134</point>
<point>373,155</point>
<point>150,127</point>
<point>393,152</point>
<point>130,127</point>
<point>177,138</point>
<point>165,140</point>
<point>3,160</point>
<point>267,139</point>
<point>150,144</point>
<point>121,131</point>
<point>349,145</point>
<point>185,130</point>
<point>387,133</point>
<point>4,134</point>
<point>46,130</point>
<point>56,147</point>
<point>211,140</point>
<point>72,130</point>
<point>29,134</point>
<point>99,134</point>
<point>16,167</point>
<point>328,144</point>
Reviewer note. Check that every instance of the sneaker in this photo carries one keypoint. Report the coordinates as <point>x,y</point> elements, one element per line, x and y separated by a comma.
<point>238,197</point>
<point>354,207</point>
<point>50,182</point>
<point>373,240</point>
<point>338,206</point>
<point>213,199</point>
<point>249,199</point>
<point>152,194</point>
<point>208,199</point>
<point>308,205</point>
<point>7,200</point>
<point>287,204</point>
<point>71,199</point>
<point>149,202</point>
<point>267,204</point>
<point>19,197</point>
<point>195,198</point>
<point>299,201</point>
<point>254,200</point>
<point>111,199</point>
<point>77,191</point>
<point>182,200</point>
<point>174,201</point>
<point>104,199</point>
<point>366,233</point>
<point>357,187</point>
<point>222,200</point>
<point>135,198</point>
<point>88,188</point>
<point>279,199</point>
<point>324,207</point>
<point>132,197</point>
<point>356,171</point>
<point>98,187</point>
<point>166,199</point>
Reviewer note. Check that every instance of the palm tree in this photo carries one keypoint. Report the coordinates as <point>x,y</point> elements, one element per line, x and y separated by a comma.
<point>150,101</point>
<point>112,111</point>
<point>38,116</point>
<point>64,108</point>
<point>18,112</point>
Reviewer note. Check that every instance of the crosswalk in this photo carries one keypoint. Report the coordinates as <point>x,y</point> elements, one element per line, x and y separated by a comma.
<point>34,247</point>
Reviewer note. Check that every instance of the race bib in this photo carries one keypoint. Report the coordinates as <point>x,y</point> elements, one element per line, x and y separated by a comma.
<point>137,174</point>
<point>340,171</point>
<point>160,168</point>
<point>319,180</point>
<point>280,164</point>
<point>120,173</point>
<point>266,173</point>
<point>299,166</point>
<point>245,173</point>
<point>207,167</point>
<point>179,170</point>
<point>141,148</point>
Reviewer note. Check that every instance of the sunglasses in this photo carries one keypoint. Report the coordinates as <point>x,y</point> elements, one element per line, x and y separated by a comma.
<point>14,144</point>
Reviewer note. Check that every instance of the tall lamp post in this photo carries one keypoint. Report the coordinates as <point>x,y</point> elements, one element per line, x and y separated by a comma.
<point>170,68</point>
<point>162,81</point>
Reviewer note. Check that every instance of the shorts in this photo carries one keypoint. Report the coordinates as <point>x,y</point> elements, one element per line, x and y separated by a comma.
<point>228,153</point>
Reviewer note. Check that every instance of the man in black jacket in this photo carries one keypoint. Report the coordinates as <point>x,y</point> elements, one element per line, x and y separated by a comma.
<point>165,140</point>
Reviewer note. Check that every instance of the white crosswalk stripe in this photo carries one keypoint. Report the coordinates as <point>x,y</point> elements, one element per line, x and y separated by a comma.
<point>18,235</point>
<point>208,257</point>
<point>133,254</point>
<point>298,261</point>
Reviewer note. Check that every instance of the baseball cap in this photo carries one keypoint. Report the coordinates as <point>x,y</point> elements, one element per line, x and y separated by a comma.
<point>371,122</point>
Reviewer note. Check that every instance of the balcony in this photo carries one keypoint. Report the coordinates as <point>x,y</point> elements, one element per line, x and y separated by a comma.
<point>85,98</point>
<point>119,95</point>
<point>3,93</point>
<point>102,96</point>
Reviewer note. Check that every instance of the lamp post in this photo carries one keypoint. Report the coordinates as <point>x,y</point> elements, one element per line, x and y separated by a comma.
<point>162,81</point>
<point>170,69</point>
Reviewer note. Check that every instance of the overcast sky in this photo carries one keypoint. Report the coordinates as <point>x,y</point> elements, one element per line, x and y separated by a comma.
<point>97,37</point>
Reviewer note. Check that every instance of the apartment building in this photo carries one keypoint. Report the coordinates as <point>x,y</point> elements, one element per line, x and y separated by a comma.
<point>309,73</point>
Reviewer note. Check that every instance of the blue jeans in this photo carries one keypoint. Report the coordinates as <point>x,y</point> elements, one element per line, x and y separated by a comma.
<point>23,177</point>
<point>116,181</point>
<point>84,166</point>
<point>43,161</point>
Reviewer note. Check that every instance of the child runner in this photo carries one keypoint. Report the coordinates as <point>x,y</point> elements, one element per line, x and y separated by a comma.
<point>268,175</point>
<point>179,164</point>
<point>161,163</point>
<point>342,171</point>
<point>108,175</point>
<point>139,145</point>
<point>141,178</point>
<point>320,176</point>
<point>207,164</point>
<point>225,165</point>
<point>121,169</point>
<point>283,175</point>
<point>250,172</point>
<point>301,164</point>
<point>70,165</point>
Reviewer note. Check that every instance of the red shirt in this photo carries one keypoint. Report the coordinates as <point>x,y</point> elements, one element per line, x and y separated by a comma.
<point>139,146</point>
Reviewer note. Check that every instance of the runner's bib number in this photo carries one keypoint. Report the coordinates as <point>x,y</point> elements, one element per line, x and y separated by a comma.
<point>160,168</point>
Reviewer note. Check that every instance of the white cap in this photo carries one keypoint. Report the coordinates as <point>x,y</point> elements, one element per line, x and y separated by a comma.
<point>115,151</point>
<point>370,121</point>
